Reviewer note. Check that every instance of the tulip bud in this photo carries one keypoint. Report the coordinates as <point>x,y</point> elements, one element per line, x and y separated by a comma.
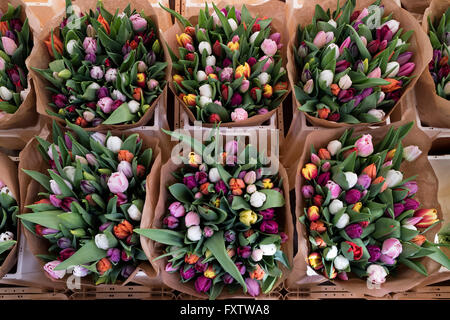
<point>327,76</point>
<point>393,68</point>
<point>411,153</point>
<point>309,172</point>
<point>315,261</point>
<point>313,213</point>
<point>334,147</point>
<point>429,217</point>
<point>345,82</point>
<point>309,86</point>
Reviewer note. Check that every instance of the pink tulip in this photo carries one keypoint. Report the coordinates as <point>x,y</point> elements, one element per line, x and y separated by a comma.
<point>239,114</point>
<point>344,45</point>
<point>269,47</point>
<point>376,73</point>
<point>334,188</point>
<point>364,145</point>
<point>192,219</point>
<point>320,40</point>
<point>139,23</point>
<point>117,182</point>
<point>406,69</point>
<point>9,45</point>
<point>49,268</point>
<point>392,248</point>
<point>177,209</point>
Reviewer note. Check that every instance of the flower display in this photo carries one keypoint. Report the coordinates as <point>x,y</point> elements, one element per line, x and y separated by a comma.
<point>108,71</point>
<point>440,66</point>
<point>95,190</point>
<point>373,222</point>
<point>353,64</point>
<point>222,224</point>
<point>16,45</point>
<point>8,221</point>
<point>229,66</point>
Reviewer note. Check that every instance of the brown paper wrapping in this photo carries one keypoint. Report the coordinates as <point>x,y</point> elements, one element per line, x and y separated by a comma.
<point>433,110</point>
<point>40,59</point>
<point>404,278</point>
<point>419,44</point>
<point>8,174</point>
<point>271,8</point>
<point>153,249</point>
<point>26,113</point>
<point>416,6</point>
<point>31,159</point>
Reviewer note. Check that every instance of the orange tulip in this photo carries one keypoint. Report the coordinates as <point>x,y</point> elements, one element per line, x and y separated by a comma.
<point>258,273</point>
<point>4,27</point>
<point>324,154</point>
<point>318,226</point>
<point>190,31</point>
<point>191,258</point>
<point>380,179</point>
<point>204,188</point>
<point>57,44</point>
<point>319,242</point>
<point>236,186</point>
<point>125,155</point>
<point>392,86</point>
<point>371,171</point>
<point>123,229</point>
<point>335,89</point>
<point>281,86</point>
<point>104,23</point>
<point>137,92</point>
<point>323,113</point>
<point>103,265</point>
<point>419,240</point>
<point>190,99</point>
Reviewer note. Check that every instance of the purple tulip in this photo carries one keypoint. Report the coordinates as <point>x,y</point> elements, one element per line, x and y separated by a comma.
<point>308,191</point>
<point>244,252</point>
<point>127,270</point>
<point>104,226</point>
<point>55,201</point>
<point>374,251</point>
<point>236,99</point>
<point>267,214</point>
<point>202,284</point>
<point>241,267</point>
<point>227,278</point>
<point>373,46</point>
<point>383,45</point>
<point>64,243</point>
<point>200,266</point>
<point>15,24</point>
<point>201,177</point>
<point>352,196</point>
<point>399,208</point>
<point>171,222</point>
<point>406,69</point>
<point>47,231</point>
<point>346,95</point>
<point>86,187</point>
<point>187,273</point>
<point>364,181</point>
<point>190,182</point>
<point>90,57</point>
<point>68,142</point>
<point>121,198</point>
<point>411,204</point>
<point>59,100</point>
<point>354,230</point>
<point>384,33</point>
<point>90,45</point>
<point>342,65</point>
<point>230,236</point>
<point>102,92</point>
<point>221,186</point>
<point>387,260</point>
<point>404,57</point>
<point>323,178</point>
<point>65,205</point>
<point>113,255</point>
<point>226,62</point>
<point>170,268</point>
<point>412,187</point>
<point>253,288</point>
<point>208,232</point>
<point>344,46</point>
<point>269,227</point>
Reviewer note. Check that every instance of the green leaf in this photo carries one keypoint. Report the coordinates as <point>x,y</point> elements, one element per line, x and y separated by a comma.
<point>179,17</point>
<point>39,177</point>
<point>239,203</point>
<point>196,145</point>
<point>438,255</point>
<point>181,192</point>
<point>89,252</point>
<point>274,199</point>
<point>415,265</point>
<point>47,219</point>
<point>6,245</point>
<point>168,237</point>
<point>216,245</point>
<point>121,115</point>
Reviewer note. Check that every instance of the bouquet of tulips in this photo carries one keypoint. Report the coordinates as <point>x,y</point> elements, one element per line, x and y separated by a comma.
<point>353,65</point>
<point>95,189</point>
<point>361,212</point>
<point>221,224</point>
<point>439,67</point>
<point>229,67</point>
<point>105,68</point>
<point>9,210</point>
<point>15,48</point>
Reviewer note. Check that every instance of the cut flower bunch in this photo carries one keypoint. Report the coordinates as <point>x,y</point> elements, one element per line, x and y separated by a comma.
<point>229,66</point>
<point>439,33</point>
<point>353,64</point>
<point>106,68</point>
<point>221,227</point>
<point>16,45</point>
<point>361,212</point>
<point>8,221</point>
<point>95,190</point>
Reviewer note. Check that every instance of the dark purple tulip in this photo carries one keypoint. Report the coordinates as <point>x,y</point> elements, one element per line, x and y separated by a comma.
<point>244,252</point>
<point>90,57</point>
<point>346,95</point>
<point>230,236</point>
<point>64,243</point>
<point>236,99</point>
<point>352,196</point>
<point>14,75</point>
<point>251,61</point>
<point>241,267</point>
<point>334,117</point>
<point>187,273</point>
<point>404,57</point>
<point>359,66</point>
<point>411,204</point>
<point>68,142</point>
<point>399,208</point>
<point>59,100</point>
<point>102,92</point>
<point>16,24</point>
<point>65,205</point>
<point>116,104</point>
<point>227,279</point>
<point>86,187</point>
<point>151,58</point>
<point>354,230</point>
<point>308,191</point>
<point>443,72</point>
<point>353,48</point>
<point>437,55</point>
<point>383,45</point>
<point>190,182</point>
<point>127,271</point>
<point>267,214</point>
<point>221,186</point>
<point>10,35</point>
<point>242,174</point>
<point>202,284</point>
<point>323,178</point>
<point>201,177</point>
<point>342,65</point>
<point>373,46</point>
<point>406,69</point>
<point>374,251</point>
<point>200,266</point>
<point>104,226</point>
<point>269,227</point>
<point>227,62</point>
<point>384,33</point>
<point>113,254</point>
<point>306,75</point>
<point>121,198</point>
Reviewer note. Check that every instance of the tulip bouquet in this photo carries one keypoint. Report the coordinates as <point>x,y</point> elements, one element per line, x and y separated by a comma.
<point>353,65</point>
<point>9,210</point>
<point>15,47</point>
<point>94,194</point>
<point>106,68</point>
<point>221,224</point>
<point>361,213</point>
<point>440,66</point>
<point>229,67</point>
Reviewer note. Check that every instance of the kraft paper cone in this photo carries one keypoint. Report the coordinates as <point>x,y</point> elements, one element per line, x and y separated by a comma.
<point>8,174</point>
<point>433,110</point>
<point>31,159</point>
<point>416,6</point>
<point>154,250</point>
<point>26,113</point>
<point>404,278</point>
<point>273,9</point>
<point>419,44</point>
<point>40,59</point>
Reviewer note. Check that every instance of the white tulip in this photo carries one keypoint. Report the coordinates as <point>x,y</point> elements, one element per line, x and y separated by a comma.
<point>201,76</point>
<point>251,188</point>
<point>331,253</point>
<point>70,173</point>
<point>377,113</point>
<point>101,241</point>
<point>335,206</point>
<point>351,178</point>
<point>114,144</point>
<point>214,175</point>
<point>257,255</point>
<point>71,46</point>
<point>334,147</point>
<point>253,37</point>
<point>211,61</point>
<point>134,106</point>
<point>204,45</point>
<point>6,236</point>
<point>117,95</point>
<point>334,46</point>
<point>233,24</point>
<point>7,191</point>
<point>447,88</point>
<point>257,199</point>
<point>204,101</point>
<point>194,233</point>
<point>343,221</point>
<point>341,262</point>
<point>5,93</point>
<point>263,78</point>
<point>268,249</point>
<point>327,76</point>
<point>393,178</point>
<point>134,213</point>
<point>205,90</point>
<point>393,67</point>
<point>332,23</point>
<point>345,82</point>
<point>393,25</point>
